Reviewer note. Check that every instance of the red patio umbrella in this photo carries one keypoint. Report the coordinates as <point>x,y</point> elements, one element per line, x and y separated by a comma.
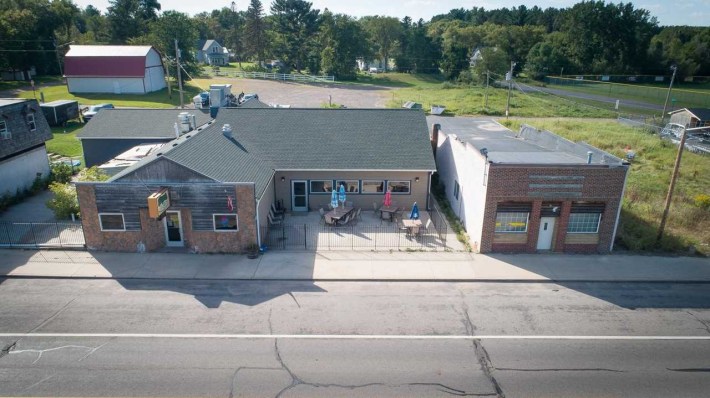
<point>388,199</point>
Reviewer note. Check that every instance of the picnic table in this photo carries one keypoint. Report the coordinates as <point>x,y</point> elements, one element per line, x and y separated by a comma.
<point>412,226</point>
<point>388,209</point>
<point>339,212</point>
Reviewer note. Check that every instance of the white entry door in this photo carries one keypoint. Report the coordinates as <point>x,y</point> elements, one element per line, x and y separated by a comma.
<point>173,229</point>
<point>299,196</point>
<point>544,238</point>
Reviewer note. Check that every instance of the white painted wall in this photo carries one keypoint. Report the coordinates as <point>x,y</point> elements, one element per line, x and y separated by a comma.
<point>458,161</point>
<point>122,85</point>
<point>20,171</point>
<point>154,73</point>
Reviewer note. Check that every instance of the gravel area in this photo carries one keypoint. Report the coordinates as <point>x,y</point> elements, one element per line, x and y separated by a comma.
<point>300,95</point>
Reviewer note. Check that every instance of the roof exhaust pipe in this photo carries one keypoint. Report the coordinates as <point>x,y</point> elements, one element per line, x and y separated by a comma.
<point>227,131</point>
<point>589,157</point>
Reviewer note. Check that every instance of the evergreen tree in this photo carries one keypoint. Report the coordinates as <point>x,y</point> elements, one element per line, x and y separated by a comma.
<point>255,43</point>
<point>295,26</point>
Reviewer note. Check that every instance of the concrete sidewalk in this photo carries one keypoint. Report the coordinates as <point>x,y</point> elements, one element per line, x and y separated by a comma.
<point>348,265</point>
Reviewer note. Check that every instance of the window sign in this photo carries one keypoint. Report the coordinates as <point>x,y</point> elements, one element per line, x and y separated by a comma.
<point>512,222</point>
<point>225,222</point>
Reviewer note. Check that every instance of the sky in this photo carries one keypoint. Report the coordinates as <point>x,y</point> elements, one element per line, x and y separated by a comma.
<point>668,12</point>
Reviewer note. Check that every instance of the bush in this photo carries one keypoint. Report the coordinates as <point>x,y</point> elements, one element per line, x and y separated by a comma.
<point>702,201</point>
<point>61,172</point>
<point>65,202</point>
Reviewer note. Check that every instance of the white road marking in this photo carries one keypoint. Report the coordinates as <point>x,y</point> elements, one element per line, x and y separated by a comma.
<point>344,336</point>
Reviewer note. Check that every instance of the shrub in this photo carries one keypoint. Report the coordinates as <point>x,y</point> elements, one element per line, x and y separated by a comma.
<point>61,172</point>
<point>65,202</point>
<point>702,201</point>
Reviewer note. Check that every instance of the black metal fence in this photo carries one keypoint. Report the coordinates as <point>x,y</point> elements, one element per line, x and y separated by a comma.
<point>352,237</point>
<point>41,235</point>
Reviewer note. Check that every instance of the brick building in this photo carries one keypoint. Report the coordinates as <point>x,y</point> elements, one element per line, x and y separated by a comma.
<point>528,192</point>
<point>219,181</point>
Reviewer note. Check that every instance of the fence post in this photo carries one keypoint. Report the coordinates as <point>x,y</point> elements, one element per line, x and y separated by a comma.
<point>34,238</point>
<point>59,234</point>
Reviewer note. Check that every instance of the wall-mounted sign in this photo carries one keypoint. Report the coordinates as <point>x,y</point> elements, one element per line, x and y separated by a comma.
<point>158,203</point>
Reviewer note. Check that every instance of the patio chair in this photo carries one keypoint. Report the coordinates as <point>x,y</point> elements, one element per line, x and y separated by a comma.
<point>273,222</point>
<point>374,206</point>
<point>277,212</point>
<point>322,214</point>
<point>346,221</point>
<point>421,230</point>
<point>358,216</point>
<point>275,217</point>
<point>328,220</point>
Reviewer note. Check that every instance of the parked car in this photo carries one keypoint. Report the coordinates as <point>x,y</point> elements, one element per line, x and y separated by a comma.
<point>94,109</point>
<point>374,70</point>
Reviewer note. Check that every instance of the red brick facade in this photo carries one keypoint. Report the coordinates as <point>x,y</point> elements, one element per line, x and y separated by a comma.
<point>152,232</point>
<point>561,185</point>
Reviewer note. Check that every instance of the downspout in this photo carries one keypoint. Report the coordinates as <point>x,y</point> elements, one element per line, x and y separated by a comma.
<point>618,212</point>
<point>258,225</point>
<point>428,192</point>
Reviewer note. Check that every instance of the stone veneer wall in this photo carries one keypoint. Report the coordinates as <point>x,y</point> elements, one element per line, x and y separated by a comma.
<point>152,232</point>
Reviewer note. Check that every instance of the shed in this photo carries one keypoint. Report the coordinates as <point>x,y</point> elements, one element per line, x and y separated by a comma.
<point>59,112</point>
<point>114,69</point>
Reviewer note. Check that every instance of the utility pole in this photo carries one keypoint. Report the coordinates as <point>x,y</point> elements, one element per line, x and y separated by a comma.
<point>510,88</point>
<point>665,104</point>
<point>179,76</point>
<point>485,105</point>
<point>167,71</point>
<point>674,177</point>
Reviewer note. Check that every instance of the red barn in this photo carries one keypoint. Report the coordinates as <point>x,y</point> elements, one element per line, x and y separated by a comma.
<point>114,69</point>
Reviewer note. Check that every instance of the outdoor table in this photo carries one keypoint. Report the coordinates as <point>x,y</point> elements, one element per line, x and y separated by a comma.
<point>339,212</point>
<point>412,226</point>
<point>388,209</point>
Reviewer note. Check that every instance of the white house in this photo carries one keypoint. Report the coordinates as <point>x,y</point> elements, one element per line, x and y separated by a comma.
<point>114,69</point>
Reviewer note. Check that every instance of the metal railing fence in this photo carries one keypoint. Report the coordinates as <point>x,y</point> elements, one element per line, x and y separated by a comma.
<point>41,234</point>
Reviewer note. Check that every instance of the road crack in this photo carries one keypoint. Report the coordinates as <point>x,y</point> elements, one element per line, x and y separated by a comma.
<point>6,350</point>
<point>486,366</point>
<point>51,318</point>
<point>41,352</point>
<point>705,324</point>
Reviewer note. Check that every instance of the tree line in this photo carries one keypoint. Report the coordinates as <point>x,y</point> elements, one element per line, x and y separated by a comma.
<point>591,37</point>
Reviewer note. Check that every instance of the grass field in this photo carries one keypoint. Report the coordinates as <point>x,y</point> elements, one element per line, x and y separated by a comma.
<point>647,184</point>
<point>681,96</point>
<point>158,99</point>
<point>64,141</point>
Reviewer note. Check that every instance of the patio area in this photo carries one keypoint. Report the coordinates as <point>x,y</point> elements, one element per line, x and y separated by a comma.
<point>307,231</point>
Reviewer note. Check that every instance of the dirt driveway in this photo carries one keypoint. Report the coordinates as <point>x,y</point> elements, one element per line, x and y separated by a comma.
<point>300,95</point>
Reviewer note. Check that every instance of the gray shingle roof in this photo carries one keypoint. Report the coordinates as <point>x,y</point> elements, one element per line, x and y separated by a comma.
<point>138,123</point>
<point>268,139</point>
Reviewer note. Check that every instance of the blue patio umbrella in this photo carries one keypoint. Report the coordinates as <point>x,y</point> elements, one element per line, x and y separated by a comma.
<point>334,199</point>
<point>414,215</point>
<point>341,195</point>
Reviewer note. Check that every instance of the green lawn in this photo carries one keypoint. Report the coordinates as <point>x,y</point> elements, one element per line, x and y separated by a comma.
<point>64,141</point>
<point>647,183</point>
<point>158,99</point>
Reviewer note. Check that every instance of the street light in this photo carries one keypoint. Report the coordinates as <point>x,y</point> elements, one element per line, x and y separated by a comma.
<point>670,87</point>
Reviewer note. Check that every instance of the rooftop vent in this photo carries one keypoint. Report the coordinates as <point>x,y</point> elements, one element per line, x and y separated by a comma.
<point>227,131</point>
<point>185,121</point>
<point>589,157</point>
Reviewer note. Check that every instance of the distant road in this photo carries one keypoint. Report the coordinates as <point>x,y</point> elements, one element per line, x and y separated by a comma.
<point>601,98</point>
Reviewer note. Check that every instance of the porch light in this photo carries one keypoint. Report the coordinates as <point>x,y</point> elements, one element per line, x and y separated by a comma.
<point>416,179</point>
<point>283,179</point>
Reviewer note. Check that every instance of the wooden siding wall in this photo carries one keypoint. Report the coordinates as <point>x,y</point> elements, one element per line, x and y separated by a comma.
<point>15,117</point>
<point>203,200</point>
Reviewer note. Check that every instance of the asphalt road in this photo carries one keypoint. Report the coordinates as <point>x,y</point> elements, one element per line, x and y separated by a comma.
<point>297,339</point>
<point>600,98</point>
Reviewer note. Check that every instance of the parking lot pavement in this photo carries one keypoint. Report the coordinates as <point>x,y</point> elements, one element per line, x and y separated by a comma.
<point>302,95</point>
<point>32,209</point>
